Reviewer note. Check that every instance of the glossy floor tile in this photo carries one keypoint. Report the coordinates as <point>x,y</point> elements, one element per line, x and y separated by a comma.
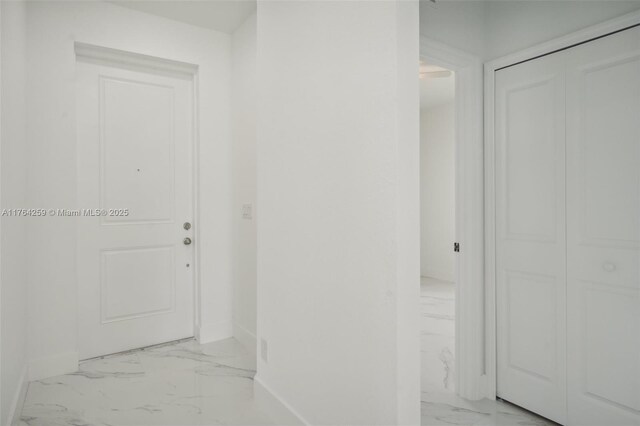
<point>437,337</point>
<point>176,384</point>
<point>185,383</point>
<point>440,408</point>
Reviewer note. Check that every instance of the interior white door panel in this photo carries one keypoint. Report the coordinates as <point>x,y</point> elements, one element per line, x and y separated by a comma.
<point>603,232</point>
<point>530,256</point>
<point>134,139</point>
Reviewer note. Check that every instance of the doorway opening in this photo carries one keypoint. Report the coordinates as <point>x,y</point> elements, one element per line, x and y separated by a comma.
<point>438,228</point>
<point>463,74</point>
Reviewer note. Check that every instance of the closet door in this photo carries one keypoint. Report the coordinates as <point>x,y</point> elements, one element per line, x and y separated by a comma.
<point>603,177</point>
<point>530,235</point>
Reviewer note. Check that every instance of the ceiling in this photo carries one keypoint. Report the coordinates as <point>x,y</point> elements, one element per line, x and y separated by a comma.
<point>435,91</point>
<point>219,15</point>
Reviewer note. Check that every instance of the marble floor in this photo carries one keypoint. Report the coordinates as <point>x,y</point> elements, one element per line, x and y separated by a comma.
<point>185,383</point>
<point>439,403</point>
<point>437,337</point>
<point>182,383</point>
<point>440,408</point>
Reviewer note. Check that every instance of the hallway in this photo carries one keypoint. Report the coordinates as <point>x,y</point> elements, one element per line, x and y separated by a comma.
<point>180,383</point>
<point>331,213</point>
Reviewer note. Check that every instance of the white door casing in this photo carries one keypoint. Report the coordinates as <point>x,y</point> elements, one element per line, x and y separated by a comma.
<point>134,149</point>
<point>603,230</point>
<point>530,236</point>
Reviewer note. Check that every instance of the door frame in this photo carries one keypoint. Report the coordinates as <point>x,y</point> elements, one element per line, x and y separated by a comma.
<point>169,67</point>
<point>579,37</point>
<point>469,263</point>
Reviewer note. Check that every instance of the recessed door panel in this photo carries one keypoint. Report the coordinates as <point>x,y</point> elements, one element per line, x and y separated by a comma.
<point>137,282</point>
<point>529,161</point>
<point>609,151</point>
<point>532,345</point>
<point>137,168</point>
<point>611,376</point>
<point>134,142</point>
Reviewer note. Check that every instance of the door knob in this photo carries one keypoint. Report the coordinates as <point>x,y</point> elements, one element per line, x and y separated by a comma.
<point>187,241</point>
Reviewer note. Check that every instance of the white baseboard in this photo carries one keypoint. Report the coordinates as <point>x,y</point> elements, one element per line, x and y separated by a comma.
<point>18,399</point>
<point>207,333</point>
<point>246,338</point>
<point>55,365</point>
<point>274,406</point>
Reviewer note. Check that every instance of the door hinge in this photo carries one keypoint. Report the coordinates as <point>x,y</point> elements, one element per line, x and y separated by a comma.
<point>456,247</point>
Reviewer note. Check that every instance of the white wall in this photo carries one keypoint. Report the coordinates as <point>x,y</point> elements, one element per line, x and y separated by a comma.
<point>513,26</point>
<point>243,110</point>
<point>338,226</point>
<point>490,29</point>
<point>460,24</point>
<point>437,191</point>
<point>13,278</point>
<point>53,28</point>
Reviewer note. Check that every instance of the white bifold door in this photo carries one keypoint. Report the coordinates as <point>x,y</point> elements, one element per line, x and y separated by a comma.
<point>134,144</point>
<point>568,232</point>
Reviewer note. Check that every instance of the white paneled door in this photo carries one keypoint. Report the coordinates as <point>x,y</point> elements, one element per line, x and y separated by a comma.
<point>568,232</point>
<point>134,147</point>
<point>603,230</point>
<point>530,249</point>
